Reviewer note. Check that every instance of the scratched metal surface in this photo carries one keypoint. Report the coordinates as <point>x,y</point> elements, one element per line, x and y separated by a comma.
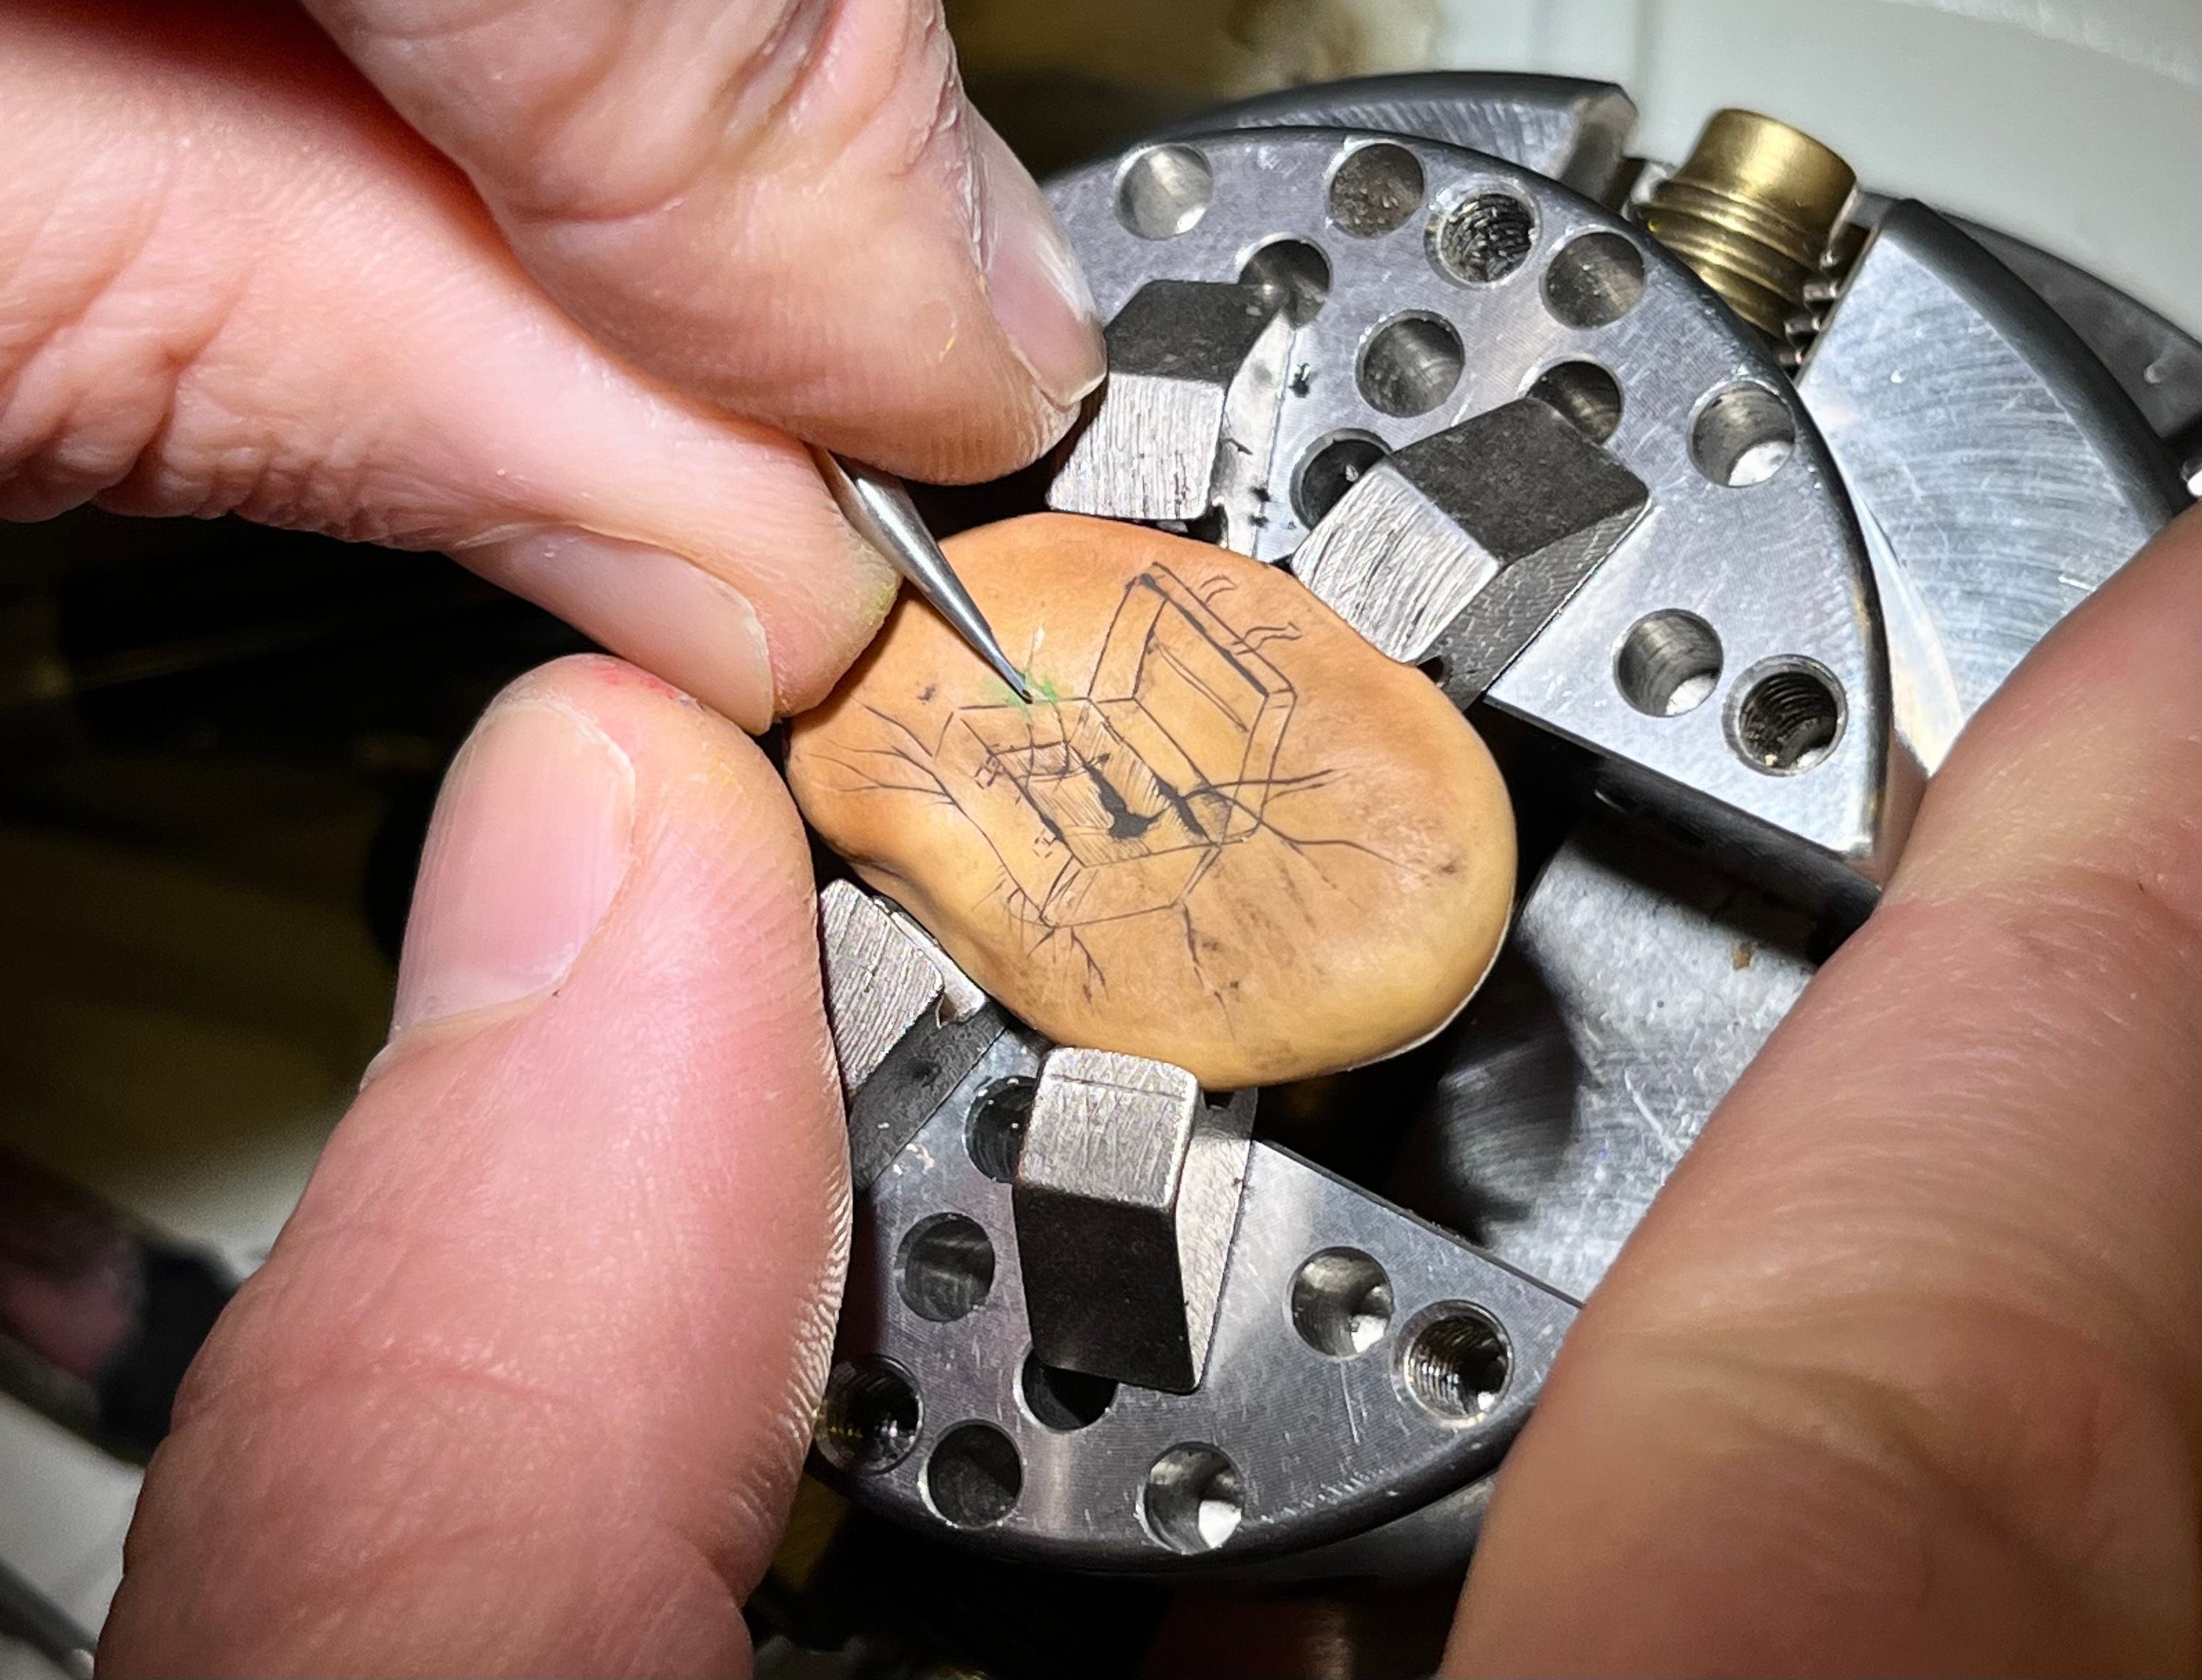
<point>1323,1447</point>
<point>2005,470</point>
<point>1778,568</point>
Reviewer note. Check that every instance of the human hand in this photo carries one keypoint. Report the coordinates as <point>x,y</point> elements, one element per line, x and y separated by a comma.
<point>239,279</point>
<point>1902,1372</point>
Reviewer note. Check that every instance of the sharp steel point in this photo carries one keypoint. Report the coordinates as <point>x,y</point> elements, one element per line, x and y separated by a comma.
<point>880,508</point>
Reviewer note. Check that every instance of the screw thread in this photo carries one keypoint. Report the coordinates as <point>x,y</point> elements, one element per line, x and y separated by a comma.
<point>1753,211</point>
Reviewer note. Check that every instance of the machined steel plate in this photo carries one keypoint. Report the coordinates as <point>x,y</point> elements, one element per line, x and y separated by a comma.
<point>1364,1362</point>
<point>1726,661</point>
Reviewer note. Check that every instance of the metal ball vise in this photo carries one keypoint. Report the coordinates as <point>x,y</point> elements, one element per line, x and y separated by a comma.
<point>1717,497</point>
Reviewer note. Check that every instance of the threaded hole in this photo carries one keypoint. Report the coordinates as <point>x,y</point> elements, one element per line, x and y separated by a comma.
<point>869,1418</point>
<point>1457,1364</point>
<point>1668,663</point>
<point>1482,240</point>
<point>1374,189</point>
<point>1789,717</point>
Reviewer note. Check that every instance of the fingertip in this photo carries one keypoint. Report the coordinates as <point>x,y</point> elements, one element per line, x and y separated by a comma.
<point>532,838</point>
<point>1034,280</point>
<point>546,1332</point>
<point>658,609</point>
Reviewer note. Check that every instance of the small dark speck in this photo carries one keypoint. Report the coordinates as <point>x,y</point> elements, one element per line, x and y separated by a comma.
<point>1303,381</point>
<point>1210,946</point>
<point>1450,866</point>
<point>927,692</point>
<point>922,1073</point>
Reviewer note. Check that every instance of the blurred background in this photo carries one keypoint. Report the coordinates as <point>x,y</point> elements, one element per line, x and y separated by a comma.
<point>219,745</point>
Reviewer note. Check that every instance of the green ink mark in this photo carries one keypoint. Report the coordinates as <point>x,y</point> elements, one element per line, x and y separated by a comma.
<point>1044,692</point>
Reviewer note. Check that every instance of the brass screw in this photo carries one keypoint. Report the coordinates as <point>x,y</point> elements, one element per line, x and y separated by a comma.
<point>1753,211</point>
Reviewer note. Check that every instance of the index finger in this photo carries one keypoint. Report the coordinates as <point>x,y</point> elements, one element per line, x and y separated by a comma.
<point>785,207</point>
<point>1904,1369</point>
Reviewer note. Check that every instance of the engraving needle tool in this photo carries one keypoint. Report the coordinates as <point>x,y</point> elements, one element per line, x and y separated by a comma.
<point>876,504</point>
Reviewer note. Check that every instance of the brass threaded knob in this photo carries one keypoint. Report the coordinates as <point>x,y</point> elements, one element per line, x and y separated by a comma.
<point>1753,211</point>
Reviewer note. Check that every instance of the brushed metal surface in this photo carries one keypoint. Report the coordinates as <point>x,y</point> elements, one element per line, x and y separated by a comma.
<point>1778,567</point>
<point>1321,1447</point>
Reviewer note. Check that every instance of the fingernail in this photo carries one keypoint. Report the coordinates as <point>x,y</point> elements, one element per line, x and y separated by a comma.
<point>1034,280</point>
<point>530,841</point>
<point>665,613</point>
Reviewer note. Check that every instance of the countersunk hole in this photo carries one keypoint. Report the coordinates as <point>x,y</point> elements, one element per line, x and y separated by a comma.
<point>944,1268</point>
<point>1410,365</point>
<point>1165,192</point>
<point>1455,1362</point>
<point>994,1136</point>
<point>1594,281</point>
<point>870,1417</point>
<point>1064,1400</point>
<point>1193,1501</point>
<point>1293,275</point>
<point>1788,715</point>
<point>974,1477</point>
<point>1341,1302</point>
<point>1585,394</point>
<point>1481,240</point>
<point>1331,468</point>
<point>1668,664</point>
<point>1742,436</point>
<point>1375,188</point>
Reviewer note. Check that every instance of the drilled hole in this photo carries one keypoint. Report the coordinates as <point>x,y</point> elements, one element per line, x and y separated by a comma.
<point>1291,275</point>
<point>994,1136</point>
<point>1331,468</point>
<point>1594,281</point>
<point>1374,189</point>
<point>1668,664</point>
<point>1410,365</point>
<point>1743,436</point>
<point>1788,717</point>
<point>870,1416</point>
<point>1193,1501</point>
<point>1587,395</point>
<point>974,1477</point>
<point>1064,1400</point>
<point>944,1268</point>
<point>1165,192</point>
<point>1457,1363</point>
<point>1482,240</point>
<point>1341,1302</point>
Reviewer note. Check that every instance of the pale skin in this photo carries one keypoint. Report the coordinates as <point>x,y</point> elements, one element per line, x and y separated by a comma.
<point>1904,1373</point>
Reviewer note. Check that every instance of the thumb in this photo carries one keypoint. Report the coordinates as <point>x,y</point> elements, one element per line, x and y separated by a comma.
<point>544,1335</point>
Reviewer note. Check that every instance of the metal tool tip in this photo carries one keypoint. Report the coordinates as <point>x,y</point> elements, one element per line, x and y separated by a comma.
<point>1013,677</point>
